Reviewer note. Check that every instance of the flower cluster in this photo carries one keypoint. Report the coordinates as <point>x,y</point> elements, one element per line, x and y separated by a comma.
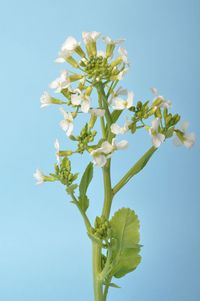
<point>101,71</point>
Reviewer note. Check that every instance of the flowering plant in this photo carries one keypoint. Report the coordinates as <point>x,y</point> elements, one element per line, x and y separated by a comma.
<point>115,241</point>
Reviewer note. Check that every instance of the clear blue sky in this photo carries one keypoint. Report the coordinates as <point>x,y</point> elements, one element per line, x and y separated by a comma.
<point>44,252</point>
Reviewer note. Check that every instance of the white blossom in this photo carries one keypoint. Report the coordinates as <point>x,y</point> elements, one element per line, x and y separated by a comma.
<point>124,54</point>
<point>101,53</point>
<point>188,139</point>
<point>90,36</point>
<point>60,83</point>
<point>67,49</point>
<point>165,103</point>
<point>57,147</point>
<point>97,112</point>
<point>99,159</point>
<point>121,104</point>
<point>70,44</point>
<point>45,100</point>
<point>157,138</point>
<point>117,130</point>
<point>109,41</point>
<point>67,124</point>
<point>39,176</point>
<point>79,99</point>
<point>101,154</point>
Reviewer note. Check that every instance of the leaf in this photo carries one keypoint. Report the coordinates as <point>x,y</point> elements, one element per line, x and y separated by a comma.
<point>114,285</point>
<point>84,202</point>
<point>125,242</point>
<point>86,179</point>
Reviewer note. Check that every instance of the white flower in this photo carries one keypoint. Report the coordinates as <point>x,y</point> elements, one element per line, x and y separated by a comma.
<point>67,124</point>
<point>70,44</point>
<point>124,54</point>
<point>101,154</point>
<point>45,100</point>
<point>187,139</point>
<point>90,36</point>
<point>109,41</point>
<point>157,138</point>
<point>79,99</point>
<point>101,53</point>
<point>165,103</point>
<point>121,104</point>
<point>97,112</point>
<point>39,176</point>
<point>60,83</point>
<point>117,130</point>
<point>57,147</point>
<point>67,49</point>
<point>99,159</point>
<point>123,144</point>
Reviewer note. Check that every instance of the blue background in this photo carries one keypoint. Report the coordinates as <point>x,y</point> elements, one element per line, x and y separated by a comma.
<point>44,251</point>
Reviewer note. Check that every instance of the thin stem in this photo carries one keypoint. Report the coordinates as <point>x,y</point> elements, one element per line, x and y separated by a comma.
<point>105,293</point>
<point>101,92</point>
<point>84,215</point>
<point>137,167</point>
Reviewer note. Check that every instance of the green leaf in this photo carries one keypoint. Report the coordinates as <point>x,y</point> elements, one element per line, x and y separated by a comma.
<point>125,246</point>
<point>114,285</point>
<point>86,179</point>
<point>84,202</point>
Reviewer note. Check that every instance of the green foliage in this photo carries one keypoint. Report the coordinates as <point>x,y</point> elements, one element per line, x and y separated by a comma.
<point>85,182</point>
<point>125,246</point>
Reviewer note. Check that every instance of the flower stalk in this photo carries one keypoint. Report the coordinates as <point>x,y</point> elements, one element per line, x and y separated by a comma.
<point>115,240</point>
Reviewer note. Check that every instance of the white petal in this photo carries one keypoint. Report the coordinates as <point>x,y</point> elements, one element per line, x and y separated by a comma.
<point>154,91</point>
<point>189,140</point>
<point>155,124</point>
<point>57,145</point>
<point>122,144</point>
<point>130,99</point>
<point>118,104</point>
<point>70,44</point>
<point>184,126</point>
<point>97,112</point>
<point>99,160</point>
<point>158,139</point>
<point>70,129</point>
<point>85,106</point>
<point>116,129</point>
<point>75,99</point>
<point>106,147</point>
<point>39,176</point>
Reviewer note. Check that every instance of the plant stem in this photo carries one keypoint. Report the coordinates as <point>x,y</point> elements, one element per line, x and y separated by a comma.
<point>97,282</point>
<point>137,167</point>
<point>108,194</point>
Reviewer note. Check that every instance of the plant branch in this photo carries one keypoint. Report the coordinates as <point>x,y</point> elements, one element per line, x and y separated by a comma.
<point>137,167</point>
<point>84,215</point>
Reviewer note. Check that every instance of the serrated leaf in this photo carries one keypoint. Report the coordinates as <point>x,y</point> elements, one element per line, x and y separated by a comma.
<point>125,242</point>
<point>86,179</point>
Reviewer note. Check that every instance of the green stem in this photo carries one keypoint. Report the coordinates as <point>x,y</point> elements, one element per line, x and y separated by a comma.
<point>85,218</point>
<point>97,282</point>
<point>101,92</point>
<point>137,167</point>
<point>108,194</point>
<point>105,293</point>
